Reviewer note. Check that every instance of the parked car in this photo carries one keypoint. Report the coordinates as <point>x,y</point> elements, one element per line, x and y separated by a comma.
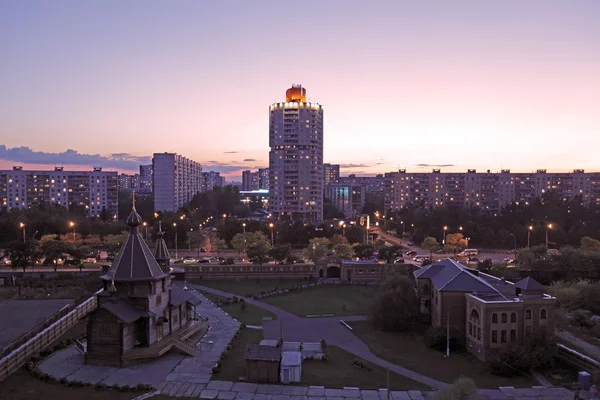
<point>410,243</point>
<point>399,260</point>
<point>203,261</point>
<point>189,260</point>
<point>202,250</point>
<point>411,253</point>
<point>440,251</point>
<point>90,260</point>
<point>240,260</point>
<point>509,260</point>
<point>473,259</point>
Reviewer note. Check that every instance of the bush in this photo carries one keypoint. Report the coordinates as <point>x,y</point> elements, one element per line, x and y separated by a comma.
<point>435,337</point>
<point>216,370</point>
<point>582,318</point>
<point>463,388</point>
<point>532,354</point>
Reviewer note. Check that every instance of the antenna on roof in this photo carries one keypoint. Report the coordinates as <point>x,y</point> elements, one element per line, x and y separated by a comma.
<point>133,200</point>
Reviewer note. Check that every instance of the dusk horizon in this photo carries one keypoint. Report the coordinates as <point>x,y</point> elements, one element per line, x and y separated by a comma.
<point>403,86</point>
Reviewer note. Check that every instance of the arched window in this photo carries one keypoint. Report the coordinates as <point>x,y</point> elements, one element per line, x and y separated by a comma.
<point>475,316</point>
<point>494,318</point>
<point>528,314</point>
<point>513,317</point>
<point>425,289</point>
<point>504,318</point>
<point>543,314</point>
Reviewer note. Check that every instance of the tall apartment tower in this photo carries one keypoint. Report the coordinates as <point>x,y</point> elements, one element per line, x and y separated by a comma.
<point>176,180</point>
<point>296,158</point>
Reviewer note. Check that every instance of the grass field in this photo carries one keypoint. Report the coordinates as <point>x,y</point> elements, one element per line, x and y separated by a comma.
<point>337,372</point>
<point>326,299</point>
<point>252,315</point>
<point>244,287</point>
<point>408,350</point>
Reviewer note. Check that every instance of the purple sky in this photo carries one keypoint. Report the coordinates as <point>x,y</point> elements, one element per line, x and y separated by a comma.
<point>471,84</point>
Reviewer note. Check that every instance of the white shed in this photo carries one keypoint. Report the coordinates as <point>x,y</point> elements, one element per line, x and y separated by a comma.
<point>291,367</point>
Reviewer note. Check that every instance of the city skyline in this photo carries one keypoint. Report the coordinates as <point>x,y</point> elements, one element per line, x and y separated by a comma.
<point>405,86</point>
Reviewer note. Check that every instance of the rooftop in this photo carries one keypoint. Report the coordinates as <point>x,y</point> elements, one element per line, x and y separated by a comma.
<point>257,352</point>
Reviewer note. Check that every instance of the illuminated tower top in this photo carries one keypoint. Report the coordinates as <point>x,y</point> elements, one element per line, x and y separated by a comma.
<point>295,93</point>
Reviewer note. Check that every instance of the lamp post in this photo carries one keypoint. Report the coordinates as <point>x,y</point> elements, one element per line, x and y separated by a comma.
<point>175,226</point>
<point>444,232</point>
<point>402,223</point>
<point>515,239</point>
<point>271,225</point>
<point>72,225</point>
<point>190,240</point>
<point>224,216</point>
<point>244,229</point>
<point>145,225</point>
<point>344,230</point>
<point>22,226</point>
<point>529,234</point>
<point>548,227</point>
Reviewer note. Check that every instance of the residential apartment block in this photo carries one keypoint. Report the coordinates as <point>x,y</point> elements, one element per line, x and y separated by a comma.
<point>296,158</point>
<point>348,198</point>
<point>489,191</point>
<point>371,184</point>
<point>257,180</point>
<point>145,185</point>
<point>485,313</point>
<point>94,190</point>
<point>175,180</point>
<point>211,180</point>
<point>331,173</point>
<point>129,182</point>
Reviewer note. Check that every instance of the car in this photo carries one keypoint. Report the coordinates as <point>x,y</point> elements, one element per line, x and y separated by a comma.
<point>90,260</point>
<point>202,250</point>
<point>240,260</point>
<point>203,261</point>
<point>189,260</point>
<point>411,253</point>
<point>399,260</point>
<point>440,251</point>
<point>410,243</point>
<point>509,260</point>
<point>473,259</point>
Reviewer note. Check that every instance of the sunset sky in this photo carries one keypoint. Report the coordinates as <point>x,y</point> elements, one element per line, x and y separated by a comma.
<point>461,84</point>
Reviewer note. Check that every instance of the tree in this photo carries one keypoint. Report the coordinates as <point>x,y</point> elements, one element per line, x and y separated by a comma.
<point>589,244</point>
<point>397,304</point>
<point>113,243</point>
<point>430,243</point>
<point>456,242</point>
<point>239,242</point>
<point>343,251</point>
<point>337,239</point>
<point>388,253</point>
<point>280,253</point>
<point>217,244</point>
<point>258,252</point>
<point>364,251</point>
<point>78,254</point>
<point>21,253</point>
<point>317,249</point>
<point>196,238</point>
<point>52,250</point>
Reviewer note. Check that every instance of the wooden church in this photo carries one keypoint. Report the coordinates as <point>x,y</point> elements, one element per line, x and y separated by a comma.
<point>141,313</point>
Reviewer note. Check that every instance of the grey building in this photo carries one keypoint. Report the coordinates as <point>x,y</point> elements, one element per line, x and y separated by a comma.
<point>175,180</point>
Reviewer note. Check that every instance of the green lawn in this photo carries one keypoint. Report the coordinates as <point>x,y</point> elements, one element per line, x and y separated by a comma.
<point>408,350</point>
<point>252,315</point>
<point>326,299</point>
<point>337,372</point>
<point>245,287</point>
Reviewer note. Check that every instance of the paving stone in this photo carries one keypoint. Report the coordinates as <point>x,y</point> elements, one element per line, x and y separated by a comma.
<point>162,386</point>
<point>209,394</point>
<point>262,396</point>
<point>383,394</point>
<point>198,389</point>
<point>219,385</point>
<point>314,391</point>
<point>245,396</point>
<point>369,394</point>
<point>244,387</point>
<point>226,395</point>
<point>168,387</point>
<point>175,388</point>
<point>294,390</point>
<point>188,392</point>
<point>317,398</point>
<point>281,397</point>
<point>399,395</point>
<point>182,389</point>
<point>200,379</point>
<point>351,392</point>
<point>333,392</point>
<point>493,394</point>
<point>415,395</point>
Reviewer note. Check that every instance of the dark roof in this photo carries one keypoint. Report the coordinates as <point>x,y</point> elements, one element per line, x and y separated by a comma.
<point>123,310</point>
<point>257,352</point>
<point>135,261</point>
<point>529,284</point>
<point>180,295</point>
<point>161,253</point>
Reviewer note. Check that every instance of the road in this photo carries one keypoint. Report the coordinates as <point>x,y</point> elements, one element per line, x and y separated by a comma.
<point>498,256</point>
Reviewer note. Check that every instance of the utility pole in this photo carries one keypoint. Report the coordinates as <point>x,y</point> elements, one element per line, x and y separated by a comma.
<point>387,370</point>
<point>448,333</point>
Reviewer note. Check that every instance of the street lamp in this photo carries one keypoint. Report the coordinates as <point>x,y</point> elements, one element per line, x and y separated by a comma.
<point>72,225</point>
<point>402,223</point>
<point>224,216</point>
<point>190,240</point>
<point>22,226</point>
<point>344,230</point>
<point>529,234</point>
<point>271,225</point>
<point>244,229</point>
<point>548,227</point>
<point>175,226</point>
<point>515,239</point>
<point>145,225</point>
<point>444,239</point>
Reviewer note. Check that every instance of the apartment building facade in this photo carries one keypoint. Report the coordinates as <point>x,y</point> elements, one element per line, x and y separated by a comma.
<point>489,191</point>
<point>348,198</point>
<point>95,191</point>
<point>211,180</point>
<point>175,180</point>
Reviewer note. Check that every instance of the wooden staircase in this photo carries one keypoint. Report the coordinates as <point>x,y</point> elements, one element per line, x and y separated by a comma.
<point>186,347</point>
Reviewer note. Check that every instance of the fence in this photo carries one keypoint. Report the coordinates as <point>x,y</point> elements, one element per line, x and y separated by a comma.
<point>19,357</point>
<point>577,359</point>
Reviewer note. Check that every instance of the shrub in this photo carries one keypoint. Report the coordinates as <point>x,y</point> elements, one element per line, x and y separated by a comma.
<point>582,318</point>
<point>216,370</point>
<point>435,337</point>
<point>516,359</point>
<point>463,388</point>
